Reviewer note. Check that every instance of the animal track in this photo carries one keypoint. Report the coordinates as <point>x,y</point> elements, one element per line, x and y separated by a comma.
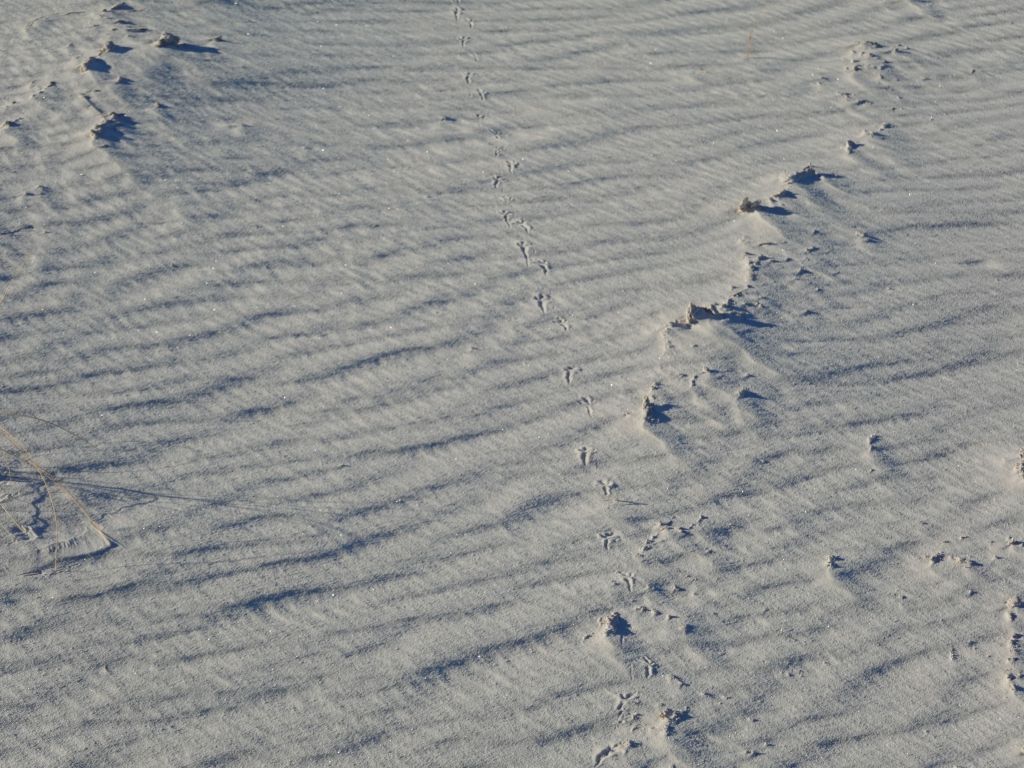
<point>656,613</point>
<point>586,455</point>
<point>614,625</point>
<point>668,719</point>
<point>665,529</point>
<point>966,562</point>
<point>653,411</point>
<point>614,750</point>
<point>569,376</point>
<point>625,708</point>
<point>609,538</point>
<point>607,486</point>
<point>874,59</point>
<point>542,300</point>
<point>587,402</point>
<point>650,666</point>
<point>508,216</point>
<point>628,580</point>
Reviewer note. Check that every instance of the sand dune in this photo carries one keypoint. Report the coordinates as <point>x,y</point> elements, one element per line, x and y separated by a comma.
<point>541,384</point>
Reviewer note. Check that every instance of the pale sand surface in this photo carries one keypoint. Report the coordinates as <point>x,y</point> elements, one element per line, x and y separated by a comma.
<point>442,409</point>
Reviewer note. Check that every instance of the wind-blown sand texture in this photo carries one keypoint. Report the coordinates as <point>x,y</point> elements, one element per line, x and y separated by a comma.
<point>563,383</point>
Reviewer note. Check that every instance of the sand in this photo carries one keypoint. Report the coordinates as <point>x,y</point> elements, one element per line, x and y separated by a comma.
<point>571,383</point>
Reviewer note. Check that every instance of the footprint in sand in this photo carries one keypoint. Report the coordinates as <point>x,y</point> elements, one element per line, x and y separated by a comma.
<point>112,128</point>
<point>94,64</point>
